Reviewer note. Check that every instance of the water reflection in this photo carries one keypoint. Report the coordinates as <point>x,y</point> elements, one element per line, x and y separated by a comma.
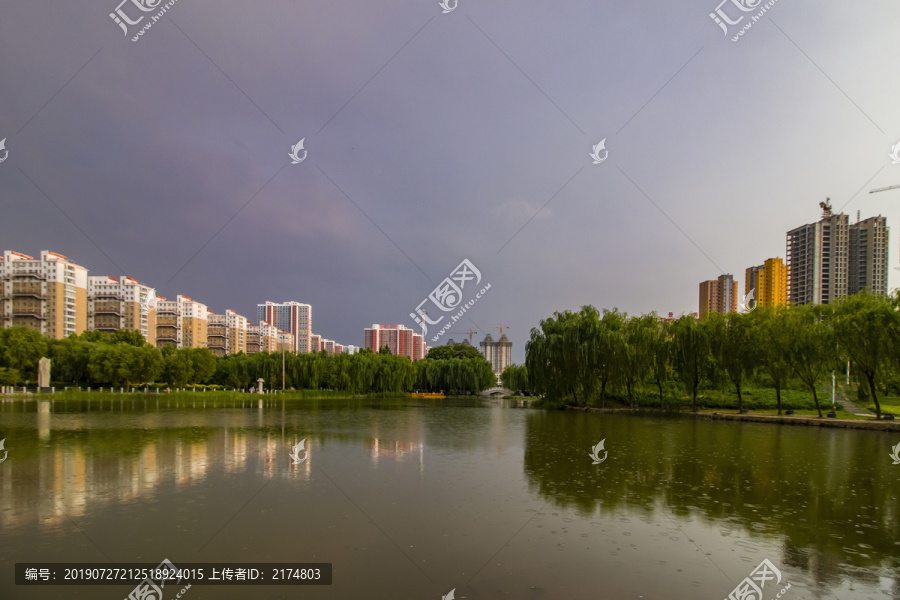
<point>829,495</point>
<point>81,460</point>
<point>822,502</point>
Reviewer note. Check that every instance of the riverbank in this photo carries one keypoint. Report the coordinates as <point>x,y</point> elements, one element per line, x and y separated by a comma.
<point>781,420</point>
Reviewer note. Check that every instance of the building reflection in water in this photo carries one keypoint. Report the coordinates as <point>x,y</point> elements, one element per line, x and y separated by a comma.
<point>73,466</point>
<point>77,463</point>
<point>397,451</point>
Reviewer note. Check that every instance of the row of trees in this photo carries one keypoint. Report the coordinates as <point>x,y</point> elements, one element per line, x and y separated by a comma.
<point>123,358</point>
<point>587,354</point>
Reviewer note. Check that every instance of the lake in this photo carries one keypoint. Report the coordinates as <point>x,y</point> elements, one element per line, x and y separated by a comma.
<point>415,498</point>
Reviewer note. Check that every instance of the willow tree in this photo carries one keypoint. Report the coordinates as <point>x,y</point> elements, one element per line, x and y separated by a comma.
<point>810,347</point>
<point>610,340</point>
<point>773,344</point>
<point>690,350</point>
<point>866,328</point>
<point>661,354</point>
<point>733,346</point>
<point>636,352</point>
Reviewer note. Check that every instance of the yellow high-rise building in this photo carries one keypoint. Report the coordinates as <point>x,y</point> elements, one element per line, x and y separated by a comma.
<point>768,282</point>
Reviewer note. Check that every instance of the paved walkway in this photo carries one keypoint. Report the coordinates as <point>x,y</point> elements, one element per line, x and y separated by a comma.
<point>848,406</point>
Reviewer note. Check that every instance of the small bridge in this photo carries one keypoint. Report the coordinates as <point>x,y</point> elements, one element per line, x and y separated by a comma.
<point>501,391</point>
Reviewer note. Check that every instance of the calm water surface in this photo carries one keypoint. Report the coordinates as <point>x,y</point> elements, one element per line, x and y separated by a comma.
<point>410,499</point>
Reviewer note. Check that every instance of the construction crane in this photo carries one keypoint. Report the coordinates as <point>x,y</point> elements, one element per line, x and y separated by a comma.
<point>470,333</point>
<point>501,327</point>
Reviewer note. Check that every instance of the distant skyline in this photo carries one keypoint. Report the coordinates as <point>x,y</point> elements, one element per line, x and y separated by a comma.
<point>430,138</point>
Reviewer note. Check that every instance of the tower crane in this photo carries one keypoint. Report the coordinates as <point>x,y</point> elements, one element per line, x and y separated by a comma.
<point>501,327</point>
<point>470,333</point>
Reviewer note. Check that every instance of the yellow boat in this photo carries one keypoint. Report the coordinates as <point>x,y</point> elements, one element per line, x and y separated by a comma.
<point>426,395</point>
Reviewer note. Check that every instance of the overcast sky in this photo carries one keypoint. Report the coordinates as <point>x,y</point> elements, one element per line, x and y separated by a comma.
<point>435,137</point>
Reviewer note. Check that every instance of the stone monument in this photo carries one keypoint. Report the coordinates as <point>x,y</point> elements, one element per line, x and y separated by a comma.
<point>44,374</point>
<point>260,383</point>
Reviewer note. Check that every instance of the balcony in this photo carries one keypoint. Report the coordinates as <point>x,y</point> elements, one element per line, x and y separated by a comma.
<point>28,312</point>
<point>111,308</point>
<point>166,321</point>
<point>29,292</point>
<point>107,296</point>
<point>166,333</point>
<point>29,276</point>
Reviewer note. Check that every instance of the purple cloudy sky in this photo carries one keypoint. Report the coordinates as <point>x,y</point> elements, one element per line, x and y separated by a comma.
<point>436,137</point>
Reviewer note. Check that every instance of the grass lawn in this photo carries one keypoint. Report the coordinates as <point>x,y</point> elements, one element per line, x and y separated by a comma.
<point>889,404</point>
<point>810,413</point>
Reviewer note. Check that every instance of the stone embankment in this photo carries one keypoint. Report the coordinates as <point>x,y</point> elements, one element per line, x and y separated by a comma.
<point>781,420</point>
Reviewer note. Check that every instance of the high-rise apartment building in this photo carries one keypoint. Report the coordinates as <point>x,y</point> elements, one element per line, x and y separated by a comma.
<point>236,326</point>
<point>315,343</point>
<point>498,353</point>
<point>818,260</point>
<point>262,338</point>
<point>869,256</point>
<point>768,282</point>
<point>122,303</point>
<point>718,295</point>
<point>293,317</point>
<point>253,344</point>
<point>398,338</point>
<point>328,346</point>
<point>182,323</point>
<point>226,334</point>
<point>285,342</point>
<point>168,324</point>
<point>48,295</point>
<point>216,333</point>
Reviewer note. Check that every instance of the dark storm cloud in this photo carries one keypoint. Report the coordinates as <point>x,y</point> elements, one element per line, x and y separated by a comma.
<point>440,134</point>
